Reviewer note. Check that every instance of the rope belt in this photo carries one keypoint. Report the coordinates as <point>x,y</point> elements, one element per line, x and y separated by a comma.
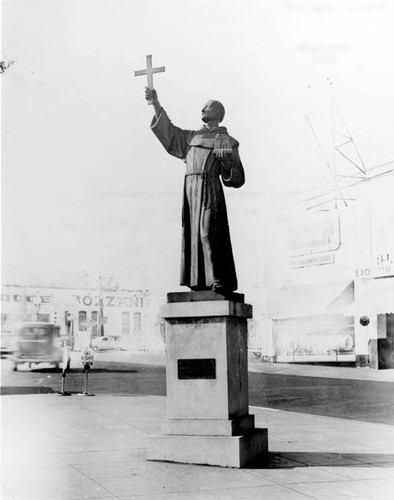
<point>203,174</point>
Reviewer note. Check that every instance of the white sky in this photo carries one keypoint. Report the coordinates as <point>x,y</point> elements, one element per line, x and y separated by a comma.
<point>86,185</point>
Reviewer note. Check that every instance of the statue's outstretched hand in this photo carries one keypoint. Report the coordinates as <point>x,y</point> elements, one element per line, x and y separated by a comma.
<point>150,94</point>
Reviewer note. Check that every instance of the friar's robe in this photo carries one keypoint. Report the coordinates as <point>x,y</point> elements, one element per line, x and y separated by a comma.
<point>206,246</point>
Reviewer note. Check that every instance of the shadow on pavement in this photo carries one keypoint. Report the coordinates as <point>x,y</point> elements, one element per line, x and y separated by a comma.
<point>13,391</point>
<point>319,459</point>
<point>80,370</point>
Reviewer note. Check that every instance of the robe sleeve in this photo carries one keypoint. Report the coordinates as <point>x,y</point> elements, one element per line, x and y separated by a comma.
<point>234,176</point>
<point>174,139</point>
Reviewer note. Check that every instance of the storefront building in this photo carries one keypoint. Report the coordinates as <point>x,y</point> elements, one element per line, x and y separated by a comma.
<point>373,313</point>
<point>84,314</point>
<point>308,324</point>
<point>330,284</point>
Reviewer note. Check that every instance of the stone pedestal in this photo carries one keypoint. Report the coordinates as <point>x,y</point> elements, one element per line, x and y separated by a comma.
<point>208,420</point>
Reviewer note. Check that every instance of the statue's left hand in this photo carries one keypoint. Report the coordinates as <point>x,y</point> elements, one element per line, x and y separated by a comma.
<point>226,162</point>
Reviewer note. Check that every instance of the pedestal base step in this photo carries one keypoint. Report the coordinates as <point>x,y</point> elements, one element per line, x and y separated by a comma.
<point>208,427</point>
<point>224,451</point>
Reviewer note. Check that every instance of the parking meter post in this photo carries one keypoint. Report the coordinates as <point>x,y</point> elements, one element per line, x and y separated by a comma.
<point>87,361</point>
<point>86,392</point>
<point>87,368</point>
<point>66,358</point>
<point>62,391</point>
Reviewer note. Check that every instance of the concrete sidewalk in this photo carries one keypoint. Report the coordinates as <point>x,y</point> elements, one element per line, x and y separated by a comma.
<point>71,448</point>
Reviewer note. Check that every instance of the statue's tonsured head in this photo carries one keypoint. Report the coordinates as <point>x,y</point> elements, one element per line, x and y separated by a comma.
<point>213,110</point>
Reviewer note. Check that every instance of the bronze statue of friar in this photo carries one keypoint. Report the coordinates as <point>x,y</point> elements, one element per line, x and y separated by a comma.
<point>212,159</point>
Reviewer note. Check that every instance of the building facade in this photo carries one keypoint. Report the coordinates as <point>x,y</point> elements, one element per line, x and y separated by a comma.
<point>330,282</point>
<point>84,313</point>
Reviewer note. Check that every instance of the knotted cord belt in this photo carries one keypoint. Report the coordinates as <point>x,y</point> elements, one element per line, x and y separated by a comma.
<point>203,174</point>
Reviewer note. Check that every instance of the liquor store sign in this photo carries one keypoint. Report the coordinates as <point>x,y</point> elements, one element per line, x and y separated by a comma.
<point>383,266</point>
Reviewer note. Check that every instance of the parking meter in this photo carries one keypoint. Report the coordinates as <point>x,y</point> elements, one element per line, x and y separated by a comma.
<point>87,362</point>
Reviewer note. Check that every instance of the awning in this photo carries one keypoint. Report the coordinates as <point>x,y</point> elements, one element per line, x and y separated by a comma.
<point>377,298</point>
<point>310,300</point>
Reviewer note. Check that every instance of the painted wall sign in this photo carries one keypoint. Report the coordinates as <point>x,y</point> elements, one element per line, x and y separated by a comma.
<point>8,297</point>
<point>109,300</point>
<point>314,233</point>
<point>312,260</point>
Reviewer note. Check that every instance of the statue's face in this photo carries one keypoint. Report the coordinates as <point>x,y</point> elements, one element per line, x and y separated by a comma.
<point>210,112</point>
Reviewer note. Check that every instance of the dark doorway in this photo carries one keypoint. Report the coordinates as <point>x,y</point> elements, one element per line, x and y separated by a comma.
<point>386,346</point>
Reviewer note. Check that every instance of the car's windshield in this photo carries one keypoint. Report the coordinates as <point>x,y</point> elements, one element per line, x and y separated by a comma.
<point>35,332</point>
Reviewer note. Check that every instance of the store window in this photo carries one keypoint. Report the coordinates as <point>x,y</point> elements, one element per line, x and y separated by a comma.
<point>125,323</point>
<point>137,322</point>
<point>46,318</point>
<point>94,317</point>
<point>82,323</point>
<point>3,319</point>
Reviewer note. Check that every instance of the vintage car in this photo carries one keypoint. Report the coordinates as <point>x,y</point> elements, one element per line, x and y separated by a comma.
<point>108,343</point>
<point>36,342</point>
<point>5,346</point>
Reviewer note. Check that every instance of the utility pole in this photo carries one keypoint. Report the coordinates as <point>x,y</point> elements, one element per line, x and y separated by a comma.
<point>101,305</point>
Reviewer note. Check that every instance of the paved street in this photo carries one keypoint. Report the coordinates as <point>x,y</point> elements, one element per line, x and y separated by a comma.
<point>369,401</point>
<point>106,377</point>
<point>292,388</point>
<point>331,442</point>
